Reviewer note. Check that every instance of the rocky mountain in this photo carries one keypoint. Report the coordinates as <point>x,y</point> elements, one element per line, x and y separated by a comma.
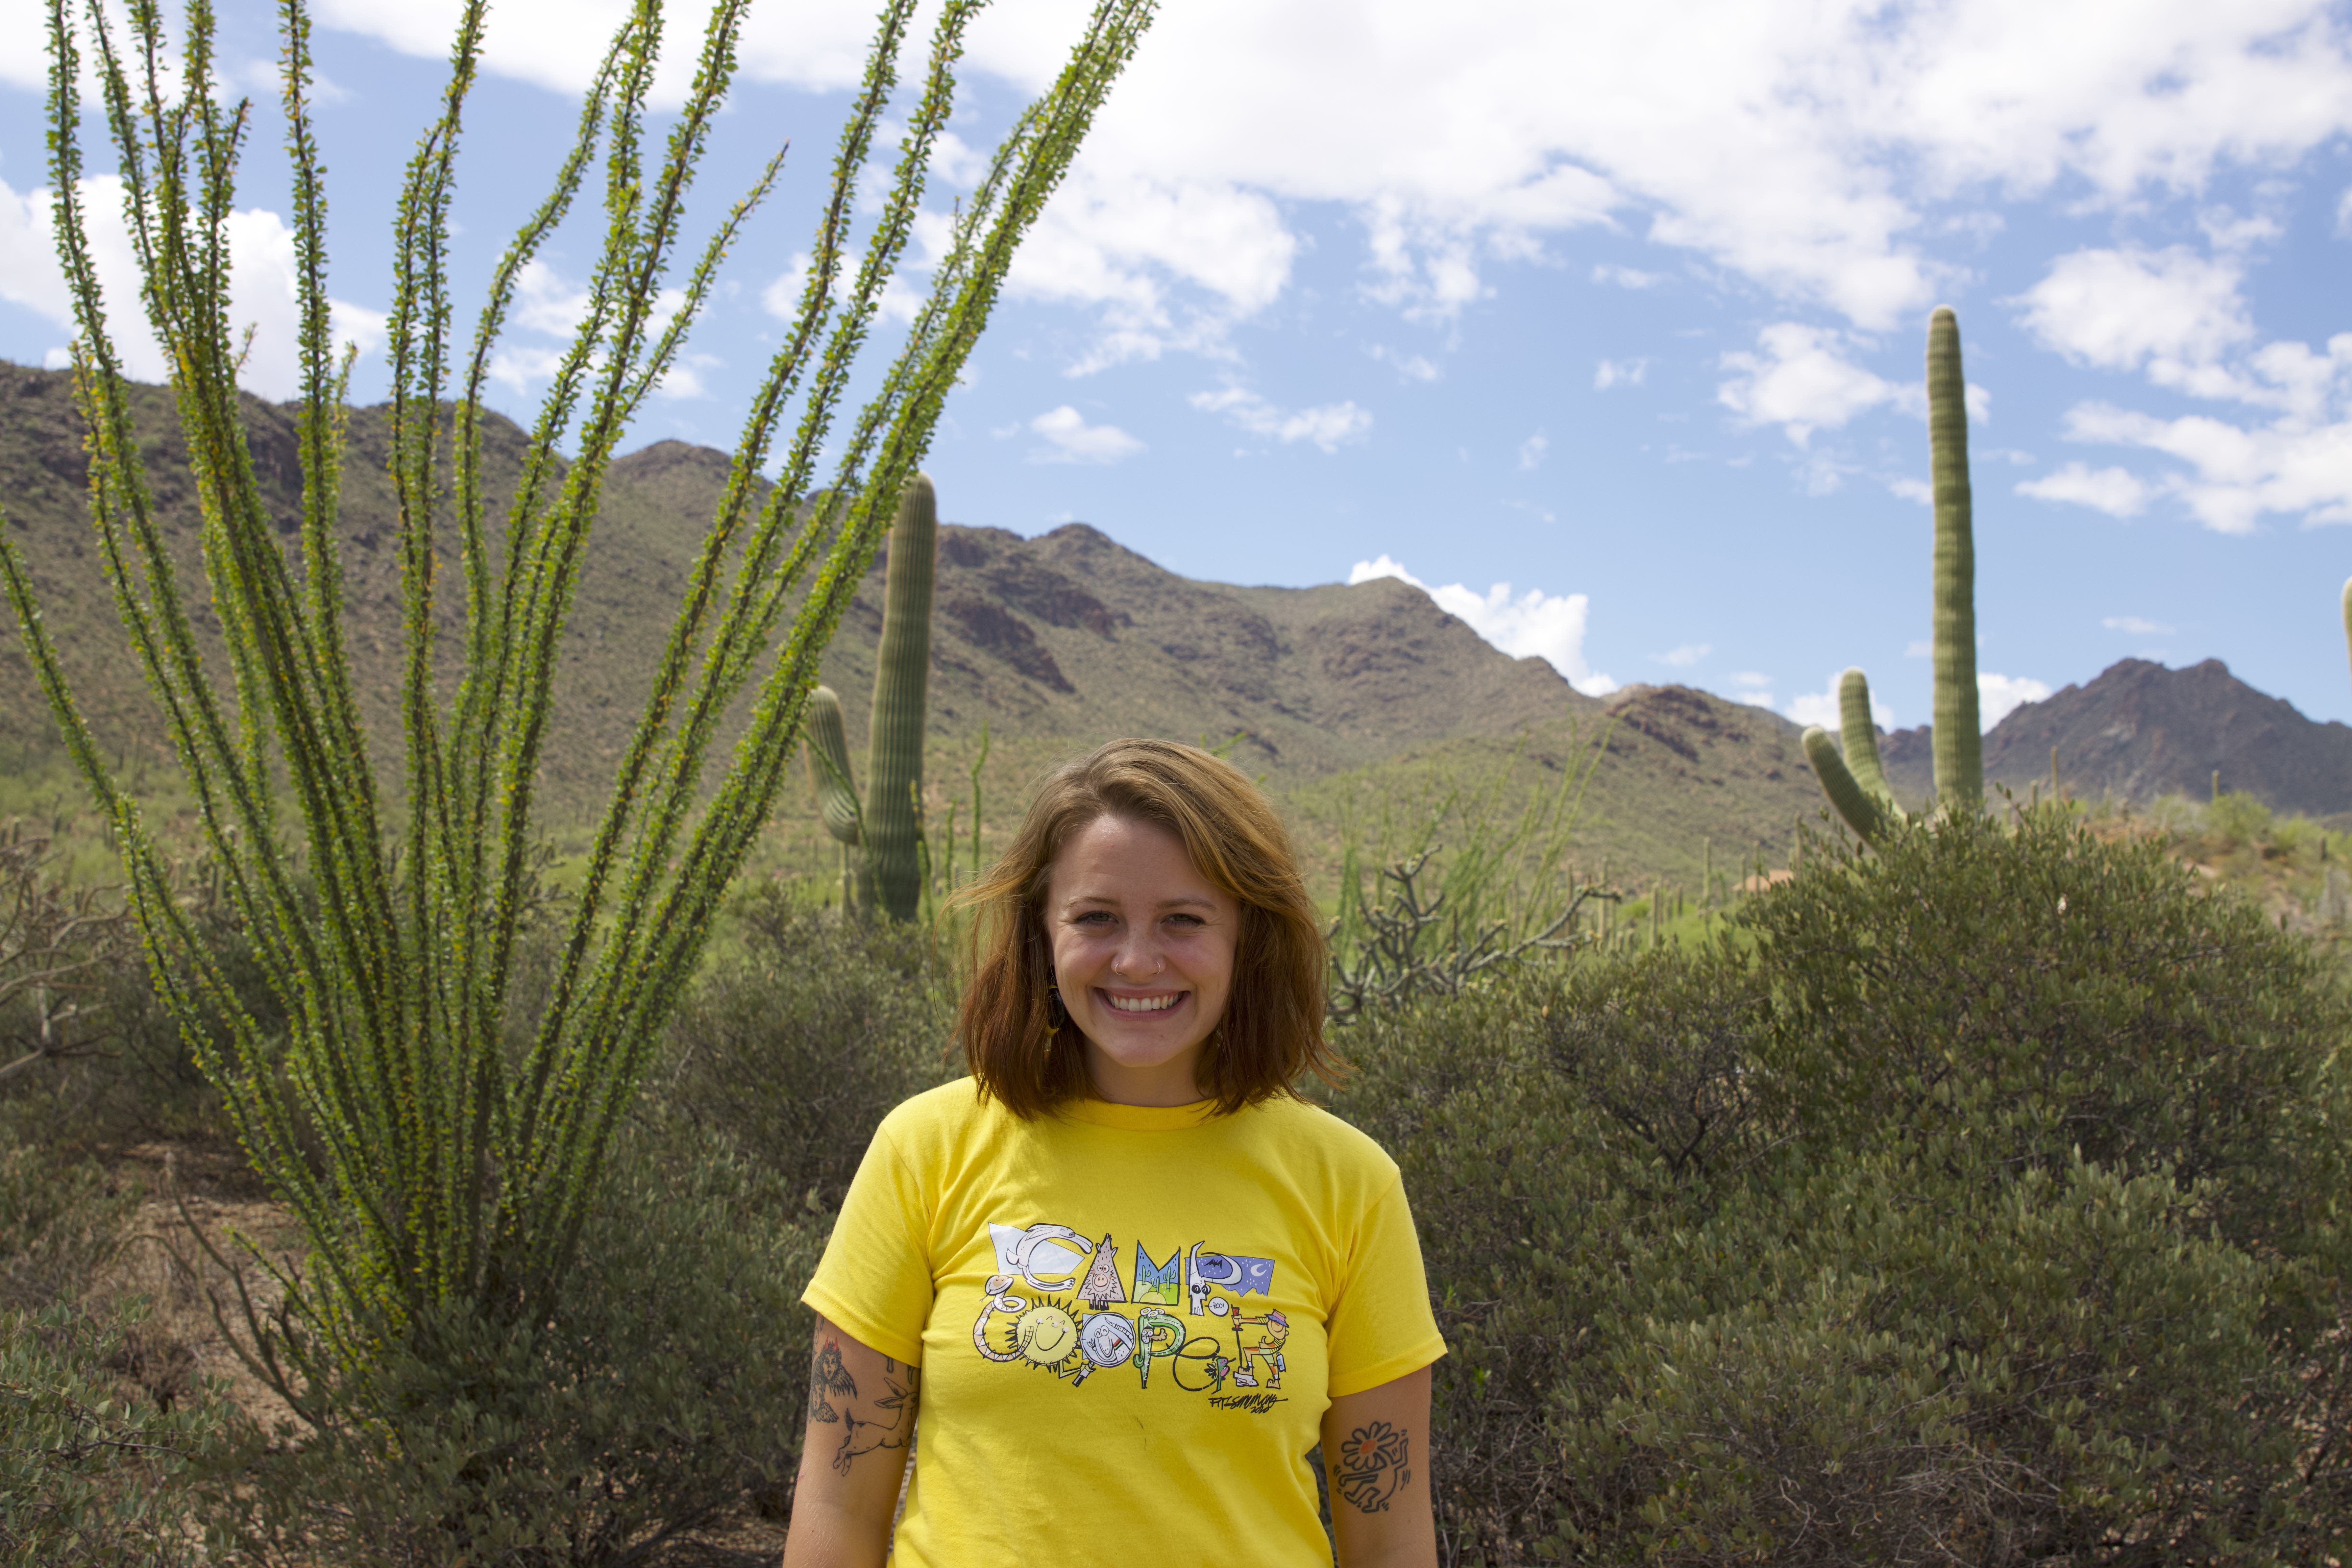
<point>1054,643</point>
<point>2142,730</point>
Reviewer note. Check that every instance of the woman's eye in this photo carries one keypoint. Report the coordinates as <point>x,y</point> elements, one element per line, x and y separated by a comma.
<point>1094,918</point>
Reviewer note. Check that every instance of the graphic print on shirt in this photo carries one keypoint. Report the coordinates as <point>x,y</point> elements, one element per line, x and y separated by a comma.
<point>1056,1303</point>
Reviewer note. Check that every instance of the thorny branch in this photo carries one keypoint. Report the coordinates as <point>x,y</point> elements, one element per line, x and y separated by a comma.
<point>52,946</point>
<point>1397,959</point>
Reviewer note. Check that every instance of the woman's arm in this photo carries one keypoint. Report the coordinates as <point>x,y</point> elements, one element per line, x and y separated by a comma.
<point>861,1419</point>
<point>1375,1449</point>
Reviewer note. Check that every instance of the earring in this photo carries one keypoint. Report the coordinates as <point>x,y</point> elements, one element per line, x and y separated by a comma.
<point>1056,1013</point>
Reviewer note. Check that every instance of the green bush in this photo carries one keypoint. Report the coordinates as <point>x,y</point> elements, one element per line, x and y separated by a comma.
<point>1946,1223</point>
<point>98,1433</point>
<point>661,1392</point>
<point>797,1046</point>
<point>89,1472</point>
<point>2050,993</point>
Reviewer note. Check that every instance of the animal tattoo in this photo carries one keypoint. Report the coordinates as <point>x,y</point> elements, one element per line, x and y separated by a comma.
<point>829,1379</point>
<point>1370,1466</point>
<point>897,1432</point>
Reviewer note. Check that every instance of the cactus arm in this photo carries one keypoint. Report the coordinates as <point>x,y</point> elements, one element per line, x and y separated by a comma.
<point>1857,805</point>
<point>1859,736</point>
<point>1958,734</point>
<point>2347,613</point>
<point>902,665</point>
<point>828,754</point>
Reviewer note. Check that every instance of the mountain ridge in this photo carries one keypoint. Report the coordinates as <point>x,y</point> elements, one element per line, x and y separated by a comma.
<point>2139,730</point>
<point>1054,643</point>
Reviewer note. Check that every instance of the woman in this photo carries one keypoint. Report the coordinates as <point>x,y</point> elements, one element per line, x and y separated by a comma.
<point>1122,1277</point>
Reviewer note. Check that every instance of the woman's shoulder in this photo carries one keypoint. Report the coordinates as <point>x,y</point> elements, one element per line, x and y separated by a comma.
<point>1307,1133</point>
<point>946,1110</point>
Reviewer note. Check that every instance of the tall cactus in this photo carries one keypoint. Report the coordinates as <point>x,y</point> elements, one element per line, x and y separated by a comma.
<point>1853,778</point>
<point>1958,734</point>
<point>2348,614</point>
<point>887,827</point>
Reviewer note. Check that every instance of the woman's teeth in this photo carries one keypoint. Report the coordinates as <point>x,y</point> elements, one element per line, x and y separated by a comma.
<point>1146,1004</point>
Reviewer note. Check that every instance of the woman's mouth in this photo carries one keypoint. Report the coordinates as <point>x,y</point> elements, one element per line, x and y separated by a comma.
<point>1144,1004</point>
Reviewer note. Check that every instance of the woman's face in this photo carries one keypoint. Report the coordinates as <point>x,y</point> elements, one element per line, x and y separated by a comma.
<point>1143,956</point>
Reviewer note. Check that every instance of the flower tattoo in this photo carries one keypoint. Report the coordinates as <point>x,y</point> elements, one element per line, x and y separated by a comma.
<point>1370,1466</point>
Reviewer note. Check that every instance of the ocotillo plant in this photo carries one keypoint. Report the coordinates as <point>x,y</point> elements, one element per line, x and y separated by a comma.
<point>433,1166</point>
<point>880,839</point>
<point>1854,780</point>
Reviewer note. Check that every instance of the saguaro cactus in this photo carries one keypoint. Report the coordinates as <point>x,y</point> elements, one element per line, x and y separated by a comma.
<point>1958,735</point>
<point>887,827</point>
<point>1853,778</point>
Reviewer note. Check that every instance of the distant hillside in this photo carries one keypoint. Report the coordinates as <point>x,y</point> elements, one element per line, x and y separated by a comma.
<point>2141,729</point>
<point>1363,692</point>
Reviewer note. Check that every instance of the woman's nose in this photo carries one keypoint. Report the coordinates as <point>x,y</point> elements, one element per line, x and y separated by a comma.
<point>1138,958</point>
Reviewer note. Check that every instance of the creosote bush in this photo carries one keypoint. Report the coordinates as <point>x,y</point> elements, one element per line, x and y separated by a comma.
<point>103,1425</point>
<point>656,1395</point>
<point>1984,1210</point>
<point>796,1046</point>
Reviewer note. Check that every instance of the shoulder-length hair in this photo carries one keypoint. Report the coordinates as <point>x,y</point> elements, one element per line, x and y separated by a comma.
<point>1028,1053</point>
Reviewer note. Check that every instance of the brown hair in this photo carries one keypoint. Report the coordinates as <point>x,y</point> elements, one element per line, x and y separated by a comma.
<point>1027,1053</point>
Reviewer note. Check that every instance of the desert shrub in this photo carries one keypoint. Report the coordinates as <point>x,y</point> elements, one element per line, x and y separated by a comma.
<point>58,1223</point>
<point>132,1076</point>
<point>662,1390</point>
<point>91,1473</point>
<point>97,1439</point>
<point>1530,1199</point>
<point>796,1046</point>
<point>1944,1223</point>
<point>2042,992</point>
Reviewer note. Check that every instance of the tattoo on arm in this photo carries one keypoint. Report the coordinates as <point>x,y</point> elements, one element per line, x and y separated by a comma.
<point>866,1437</point>
<point>827,1375</point>
<point>1371,1465</point>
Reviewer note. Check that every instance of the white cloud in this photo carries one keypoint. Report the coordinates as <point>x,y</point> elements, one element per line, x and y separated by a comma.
<point>1619,373</point>
<point>1462,135</point>
<point>1532,450</point>
<point>1822,708</point>
<point>781,297</point>
<point>1070,439</point>
<point>1920,647</point>
<point>2234,474</point>
<point>1168,264</point>
<point>1754,689</point>
<point>1997,695</point>
<point>1545,626</point>
<point>517,366</point>
<point>1329,427</point>
<point>1918,491</point>
<point>2181,320</point>
<point>1412,367</point>
<point>1682,658</point>
<point>2115,491</point>
<point>1625,276</point>
<point>262,286</point>
<point>1803,382</point>
<point>2136,627</point>
<point>2171,310</point>
<point>683,379</point>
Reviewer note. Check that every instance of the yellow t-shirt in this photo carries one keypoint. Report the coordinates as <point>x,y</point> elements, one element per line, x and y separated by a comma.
<point>1129,1321</point>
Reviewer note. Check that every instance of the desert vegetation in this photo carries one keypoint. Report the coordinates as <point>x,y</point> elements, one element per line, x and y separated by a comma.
<point>1963,1189</point>
<point>1974,1198</point>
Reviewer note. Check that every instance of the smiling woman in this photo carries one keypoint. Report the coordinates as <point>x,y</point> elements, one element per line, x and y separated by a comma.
<point>1146,990</point>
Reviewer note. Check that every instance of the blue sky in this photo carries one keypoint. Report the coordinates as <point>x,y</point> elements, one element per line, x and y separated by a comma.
<point>1620,307</point>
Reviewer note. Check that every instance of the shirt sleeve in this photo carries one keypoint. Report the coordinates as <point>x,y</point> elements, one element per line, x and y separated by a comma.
<point>874,1279</point>
<point>1381,1328</point>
